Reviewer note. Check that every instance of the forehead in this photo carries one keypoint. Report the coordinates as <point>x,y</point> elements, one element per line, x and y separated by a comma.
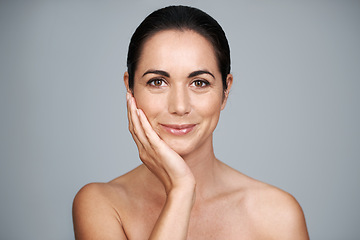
<point>175,50</point>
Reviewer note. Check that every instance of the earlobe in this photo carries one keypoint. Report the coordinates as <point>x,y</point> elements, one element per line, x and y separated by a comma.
<point>226,94</point>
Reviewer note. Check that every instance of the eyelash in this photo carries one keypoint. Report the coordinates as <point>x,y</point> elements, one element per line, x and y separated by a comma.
<point>152,83</point>
<point>203,82</point>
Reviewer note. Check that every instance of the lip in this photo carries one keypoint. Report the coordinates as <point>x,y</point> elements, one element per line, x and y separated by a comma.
<point>178,129</point>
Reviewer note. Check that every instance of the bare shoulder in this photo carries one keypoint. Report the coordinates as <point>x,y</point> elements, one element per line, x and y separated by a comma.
<point>270,212</point>
<point>94,196</point>
<point>276,212</point>
<point>114,209</point>
<point>94,215</point>
<point>98,208</point>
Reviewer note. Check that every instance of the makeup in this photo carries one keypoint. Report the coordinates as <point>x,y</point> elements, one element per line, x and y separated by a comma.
<point>178,129</point>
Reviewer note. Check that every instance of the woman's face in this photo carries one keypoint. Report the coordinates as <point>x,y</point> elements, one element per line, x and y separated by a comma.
<point>178,85</point>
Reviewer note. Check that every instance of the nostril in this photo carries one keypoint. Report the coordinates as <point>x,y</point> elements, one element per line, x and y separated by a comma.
<point>179,103</point>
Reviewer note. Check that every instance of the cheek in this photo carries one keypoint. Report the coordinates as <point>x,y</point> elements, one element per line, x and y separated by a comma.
<point>209,106</point>
<point>150,104</point>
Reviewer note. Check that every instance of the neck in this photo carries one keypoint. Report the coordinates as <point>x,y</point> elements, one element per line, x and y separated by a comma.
<point>204,166</point>
<point>201,162</point>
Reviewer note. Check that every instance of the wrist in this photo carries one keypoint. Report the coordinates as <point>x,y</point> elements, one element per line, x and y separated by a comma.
<point>183,193</point>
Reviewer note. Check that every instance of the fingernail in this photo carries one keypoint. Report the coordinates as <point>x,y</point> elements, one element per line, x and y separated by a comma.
<point>137,111</point>
<point>127,96</point>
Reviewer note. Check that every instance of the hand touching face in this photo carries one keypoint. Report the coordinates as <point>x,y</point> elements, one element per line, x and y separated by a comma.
<point>178,86</point>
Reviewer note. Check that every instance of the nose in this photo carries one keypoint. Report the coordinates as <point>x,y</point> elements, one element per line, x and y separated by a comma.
<point>179,101</point>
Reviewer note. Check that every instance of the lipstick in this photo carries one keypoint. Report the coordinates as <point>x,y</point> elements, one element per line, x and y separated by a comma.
<point>178,129</point>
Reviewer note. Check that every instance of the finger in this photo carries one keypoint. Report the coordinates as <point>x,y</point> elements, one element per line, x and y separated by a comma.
<point>156,143</point>
<point>128,96</point>
<point>137,129</point>
<point>150,134</point>
<point>131,125</point>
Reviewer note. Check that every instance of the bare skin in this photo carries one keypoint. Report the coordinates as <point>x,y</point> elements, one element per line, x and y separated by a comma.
<point>182,191</point>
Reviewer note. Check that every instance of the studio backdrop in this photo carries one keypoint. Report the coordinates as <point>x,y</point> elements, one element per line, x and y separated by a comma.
<point>292,119</point>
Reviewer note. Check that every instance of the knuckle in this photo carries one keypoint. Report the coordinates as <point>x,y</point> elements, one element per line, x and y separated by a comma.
<point>136,132</point>
<point>147,135</point>
<point>142,155</point>
<point>154,146</point>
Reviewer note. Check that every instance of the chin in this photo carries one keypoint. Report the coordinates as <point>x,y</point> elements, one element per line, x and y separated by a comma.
<point>180,146</point>
<point>186,146</point>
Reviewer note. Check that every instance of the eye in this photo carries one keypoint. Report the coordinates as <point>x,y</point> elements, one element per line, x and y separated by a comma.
<point>200,83</point>
<point>156,82</point>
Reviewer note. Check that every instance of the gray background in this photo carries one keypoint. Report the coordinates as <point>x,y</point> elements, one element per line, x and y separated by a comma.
<point>292,119</point>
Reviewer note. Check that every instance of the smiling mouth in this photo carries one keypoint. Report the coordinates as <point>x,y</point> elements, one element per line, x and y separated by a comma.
<point>178,130</point>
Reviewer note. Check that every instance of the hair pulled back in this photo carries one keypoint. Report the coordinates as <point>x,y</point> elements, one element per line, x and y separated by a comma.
<point>180,18</point>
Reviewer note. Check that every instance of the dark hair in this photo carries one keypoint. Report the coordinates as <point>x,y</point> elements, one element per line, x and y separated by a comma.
<point>180,18</point>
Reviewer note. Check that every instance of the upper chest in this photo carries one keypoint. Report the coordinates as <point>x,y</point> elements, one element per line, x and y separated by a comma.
<point>222,219</point>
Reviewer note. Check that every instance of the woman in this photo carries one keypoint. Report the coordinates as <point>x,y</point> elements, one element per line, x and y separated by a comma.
<point>178,81</point>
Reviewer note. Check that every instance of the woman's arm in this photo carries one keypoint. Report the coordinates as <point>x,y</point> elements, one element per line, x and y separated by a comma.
<point>170,169</point>
<point>173,221</point>
<point>95,217</point>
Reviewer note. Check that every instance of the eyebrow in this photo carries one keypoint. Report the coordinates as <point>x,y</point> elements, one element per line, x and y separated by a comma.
<point>159,72</point>
<point>197,73</point>
<point>166,74</point>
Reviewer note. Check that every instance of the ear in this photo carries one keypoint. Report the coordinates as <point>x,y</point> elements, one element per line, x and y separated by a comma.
<point>126,81</point>
<point>229,82</point>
